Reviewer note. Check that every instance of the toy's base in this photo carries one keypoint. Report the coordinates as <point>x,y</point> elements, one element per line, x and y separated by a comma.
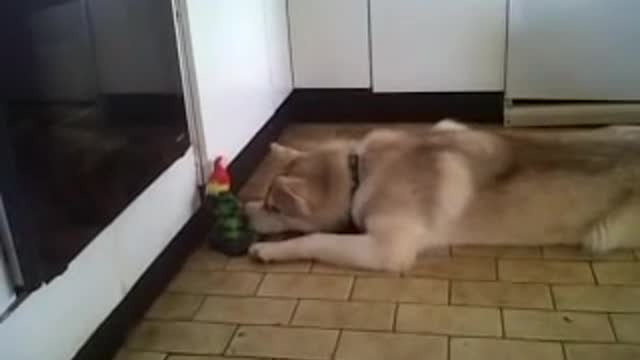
<point>236,247</point>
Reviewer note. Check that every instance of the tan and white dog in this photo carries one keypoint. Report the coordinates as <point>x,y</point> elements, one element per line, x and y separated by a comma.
<point>452,185</point>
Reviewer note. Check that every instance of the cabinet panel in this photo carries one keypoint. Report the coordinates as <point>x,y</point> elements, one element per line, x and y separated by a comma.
<point>438,45</point>
<point>330,43</point>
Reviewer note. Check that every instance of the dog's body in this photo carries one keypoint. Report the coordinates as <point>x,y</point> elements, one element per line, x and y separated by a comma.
<point>453,186</point>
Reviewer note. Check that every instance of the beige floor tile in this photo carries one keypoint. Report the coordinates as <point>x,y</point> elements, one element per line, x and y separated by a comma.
<point>449,320</point>
<point>206,259</point>
<point>627,327</point>
<point>637,252</point>
<point>384,346</point>
<point>306,286</point>
<point>319,268</point>
<point>242,310</point>
<point>493,349</point>
<point>456,268</point>
<point>504,294</point>
<point>345,315</point>
<point>246,264</point>
<point>557,272</point>
<point>279,342</point>
<point>170,306</point>
<point>597,298</point>
<point>182,337</point>
<point>216,283</point>
<point>546,325</point>
<point>617,272</point>
<point>139,355</point>
<point>440,252</point>
<point>498,251</point>
<point>577,253</point>
<point>602,352</point>
<point>430,291</point>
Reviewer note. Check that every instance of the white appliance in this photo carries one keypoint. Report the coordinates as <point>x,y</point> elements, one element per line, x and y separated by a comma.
<point>573,50</point>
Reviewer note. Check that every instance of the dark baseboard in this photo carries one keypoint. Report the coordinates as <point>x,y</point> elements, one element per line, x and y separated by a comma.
<point>363,105</point>
<point>111,334</point>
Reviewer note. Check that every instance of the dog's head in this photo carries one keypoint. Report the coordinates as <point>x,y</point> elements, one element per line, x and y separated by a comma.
<point>311,191</point>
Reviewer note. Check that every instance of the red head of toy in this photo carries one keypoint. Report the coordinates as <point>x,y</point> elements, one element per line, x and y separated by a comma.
<point>219,180</point>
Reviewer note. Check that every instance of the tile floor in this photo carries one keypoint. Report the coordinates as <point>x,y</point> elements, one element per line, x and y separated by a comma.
<point>469,303</point>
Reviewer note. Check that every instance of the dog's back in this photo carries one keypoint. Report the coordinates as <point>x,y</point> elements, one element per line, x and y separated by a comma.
<point>526,188</point>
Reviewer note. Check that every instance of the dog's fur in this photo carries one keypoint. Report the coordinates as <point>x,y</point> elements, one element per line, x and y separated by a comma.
<point>453,186</point>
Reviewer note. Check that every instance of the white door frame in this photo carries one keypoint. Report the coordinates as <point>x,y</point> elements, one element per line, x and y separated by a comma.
<point>190,88</point>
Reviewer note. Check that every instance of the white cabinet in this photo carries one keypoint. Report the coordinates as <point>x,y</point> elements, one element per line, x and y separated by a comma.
<point>438,45</point>
<point>329,43</point>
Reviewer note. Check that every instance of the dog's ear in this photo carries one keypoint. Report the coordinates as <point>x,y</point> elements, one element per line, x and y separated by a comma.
<point>288,195</point>
<point>284,152</point>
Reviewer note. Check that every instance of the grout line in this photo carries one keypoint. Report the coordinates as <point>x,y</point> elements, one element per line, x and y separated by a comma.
<point>387,301</point>
<point>391,300</point>
<point>430,333</point>
<point>353,288</point>
<point>294,312</point>
<point>394,325</point>
<point>593,273</point>
<point>423,333</point>
<point>564,351</point>
<point>449,291</point>
<point>503,330</point>
<point>448,347</point>
<point>337,345</point>
<point>613,328</point>
<point>553,298</point>
<point>233,335</point>
<point>259,285</point>
<point>199,307</point>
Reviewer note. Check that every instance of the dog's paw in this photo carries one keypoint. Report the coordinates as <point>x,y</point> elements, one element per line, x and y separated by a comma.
<point>259,252</point>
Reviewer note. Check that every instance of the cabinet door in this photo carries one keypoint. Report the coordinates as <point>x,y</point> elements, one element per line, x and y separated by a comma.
<point>329,43</point>
<point>438,45</point>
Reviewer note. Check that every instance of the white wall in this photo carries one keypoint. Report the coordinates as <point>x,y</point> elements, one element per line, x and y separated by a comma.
<point>330,43</point>
<point>241,63</point>
<point>54,321</point>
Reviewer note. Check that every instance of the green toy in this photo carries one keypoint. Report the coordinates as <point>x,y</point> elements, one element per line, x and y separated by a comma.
<point>231,233</point>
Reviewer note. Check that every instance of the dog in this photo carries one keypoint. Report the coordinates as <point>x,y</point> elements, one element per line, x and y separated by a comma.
<point>452,185</point>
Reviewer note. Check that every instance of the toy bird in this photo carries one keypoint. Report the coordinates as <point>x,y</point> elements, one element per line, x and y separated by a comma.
<point>231,233</point>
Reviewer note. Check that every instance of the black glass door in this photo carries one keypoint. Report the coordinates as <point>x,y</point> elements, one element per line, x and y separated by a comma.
<point>93,114</point>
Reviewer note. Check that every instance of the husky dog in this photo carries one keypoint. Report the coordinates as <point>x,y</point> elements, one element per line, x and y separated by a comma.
<point>453,185</point>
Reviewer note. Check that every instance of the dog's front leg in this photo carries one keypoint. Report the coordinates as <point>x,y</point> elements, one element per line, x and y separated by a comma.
<point>358,251</point>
